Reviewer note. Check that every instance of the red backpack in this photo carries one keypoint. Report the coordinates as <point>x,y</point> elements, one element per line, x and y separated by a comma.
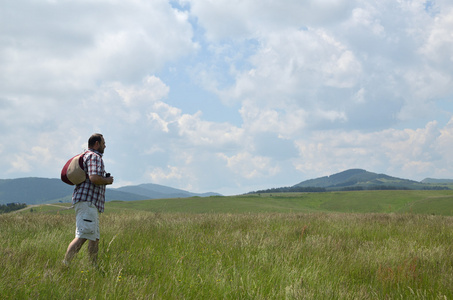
<point>73,172</point>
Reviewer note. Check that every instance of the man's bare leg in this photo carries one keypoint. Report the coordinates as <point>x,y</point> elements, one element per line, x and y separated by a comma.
<point>73,249</point>
<point>93,247</point>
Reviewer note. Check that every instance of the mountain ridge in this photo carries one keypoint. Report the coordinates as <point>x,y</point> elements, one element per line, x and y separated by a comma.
<point>354,177</point>
<point>434,180</point>
<point>36,190</point>
<point>360,179</point>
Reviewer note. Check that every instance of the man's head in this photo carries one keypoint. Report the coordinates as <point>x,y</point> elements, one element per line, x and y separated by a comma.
<point>97,142</point>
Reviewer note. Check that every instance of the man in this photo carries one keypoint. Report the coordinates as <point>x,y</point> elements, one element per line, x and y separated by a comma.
<point>88,200</point>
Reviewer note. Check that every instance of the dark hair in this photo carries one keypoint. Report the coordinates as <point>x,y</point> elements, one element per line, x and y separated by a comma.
<point>97,137</point>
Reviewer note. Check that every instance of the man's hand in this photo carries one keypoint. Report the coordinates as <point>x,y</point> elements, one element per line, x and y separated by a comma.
<point>99,180</point>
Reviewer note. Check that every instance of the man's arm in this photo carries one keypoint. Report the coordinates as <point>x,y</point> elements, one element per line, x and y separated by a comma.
<point>99,180</point>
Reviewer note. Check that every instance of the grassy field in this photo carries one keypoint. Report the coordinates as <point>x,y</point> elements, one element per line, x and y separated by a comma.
<point>424,202</point>
<point>352,245</point>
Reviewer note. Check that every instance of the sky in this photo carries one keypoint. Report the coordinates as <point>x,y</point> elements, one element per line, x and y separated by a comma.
<point>228,96</point>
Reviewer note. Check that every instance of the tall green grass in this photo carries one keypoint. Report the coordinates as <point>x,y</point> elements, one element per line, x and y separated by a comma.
<point>155,255</point>
<point>424,202</point>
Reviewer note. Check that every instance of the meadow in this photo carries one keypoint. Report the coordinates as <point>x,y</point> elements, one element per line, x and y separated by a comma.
<point>348,245</point>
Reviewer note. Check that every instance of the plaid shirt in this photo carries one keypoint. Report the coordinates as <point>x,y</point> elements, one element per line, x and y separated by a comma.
<point>88,191</point>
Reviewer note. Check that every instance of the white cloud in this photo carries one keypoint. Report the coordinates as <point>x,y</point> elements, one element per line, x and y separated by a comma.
<point>282,91</point>
<point>150,90</point>
<point>439,43</point>
<point>64,47</point>
<point>162,175</point>
<point>408,153</point>
<point>249,166</point>
<point>284,121</point>
<point>362,17</point>
<point>237,19</point>
<point>324,72</point>
<point>315,87</point>
<point>208,134</point>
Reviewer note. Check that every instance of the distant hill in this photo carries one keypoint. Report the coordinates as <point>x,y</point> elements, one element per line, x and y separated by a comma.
<point>359,179</point>
<point>35,190</point>
<point>156,191</point>
<point>437,181</point>
<point>363,180</point>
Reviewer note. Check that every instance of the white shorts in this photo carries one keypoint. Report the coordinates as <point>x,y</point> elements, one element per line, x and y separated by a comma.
<point>87,221</point>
